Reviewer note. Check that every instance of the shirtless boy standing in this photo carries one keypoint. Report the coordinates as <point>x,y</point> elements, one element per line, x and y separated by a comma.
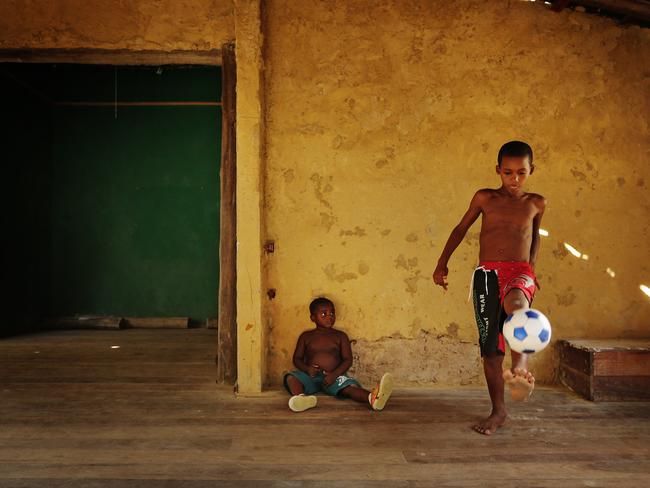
<point>505,279</point>
<point>322,356</point>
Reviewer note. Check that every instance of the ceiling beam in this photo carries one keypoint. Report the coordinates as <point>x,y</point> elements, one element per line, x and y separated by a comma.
<point>635,9</point>
<point>559,5</point>
<point>109,56</point>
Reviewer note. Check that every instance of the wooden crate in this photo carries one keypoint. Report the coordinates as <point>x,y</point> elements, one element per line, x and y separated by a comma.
<point>602,370</point>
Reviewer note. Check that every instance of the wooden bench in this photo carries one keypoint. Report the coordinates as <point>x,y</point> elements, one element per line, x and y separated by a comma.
<point>602,370</point>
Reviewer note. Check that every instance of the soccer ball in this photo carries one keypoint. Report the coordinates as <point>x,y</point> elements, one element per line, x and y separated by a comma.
<point>527,331</point>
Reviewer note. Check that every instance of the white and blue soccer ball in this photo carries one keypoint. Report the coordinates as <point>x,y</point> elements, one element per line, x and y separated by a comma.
<point>527,331</point>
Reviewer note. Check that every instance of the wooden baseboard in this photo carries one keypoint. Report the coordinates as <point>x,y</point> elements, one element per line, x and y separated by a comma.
<point>157,322</point>
<point>116,323</point>
<point>84,322</point>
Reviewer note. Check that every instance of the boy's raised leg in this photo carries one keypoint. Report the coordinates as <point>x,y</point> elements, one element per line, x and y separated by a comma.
<point>493,368</point>
<point>520,381</point>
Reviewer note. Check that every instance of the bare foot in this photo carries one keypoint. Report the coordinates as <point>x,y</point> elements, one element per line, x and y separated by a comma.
<point>520,382</point>
<point>490,425</point>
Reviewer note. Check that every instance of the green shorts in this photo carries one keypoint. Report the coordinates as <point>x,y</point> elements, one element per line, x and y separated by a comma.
<point>315,384</point>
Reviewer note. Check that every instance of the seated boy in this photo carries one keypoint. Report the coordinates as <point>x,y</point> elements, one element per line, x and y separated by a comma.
<point>322,357</point>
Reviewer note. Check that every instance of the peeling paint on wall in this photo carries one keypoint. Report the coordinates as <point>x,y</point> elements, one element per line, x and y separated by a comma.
<point>433,359</point>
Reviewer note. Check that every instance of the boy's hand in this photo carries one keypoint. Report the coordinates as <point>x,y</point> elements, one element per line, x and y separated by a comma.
<point>440,276</point>
<point>313,370</point>
<point>329,378</point>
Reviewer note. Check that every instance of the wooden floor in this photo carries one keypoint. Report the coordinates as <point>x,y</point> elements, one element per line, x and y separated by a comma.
<point>75,412</point>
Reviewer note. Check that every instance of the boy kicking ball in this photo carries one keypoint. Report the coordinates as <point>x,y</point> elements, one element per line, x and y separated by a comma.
<point>323,355</point>
<point>505,279</point>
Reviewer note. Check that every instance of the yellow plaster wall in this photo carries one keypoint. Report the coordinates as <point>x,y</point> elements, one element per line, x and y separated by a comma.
<point>384,117</point>
<point>126,24</point>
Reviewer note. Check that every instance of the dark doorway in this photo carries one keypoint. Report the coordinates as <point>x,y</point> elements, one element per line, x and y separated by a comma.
<point>112,188</point>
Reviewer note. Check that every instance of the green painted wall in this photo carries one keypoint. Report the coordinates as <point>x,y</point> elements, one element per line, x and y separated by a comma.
<point>134,208</point>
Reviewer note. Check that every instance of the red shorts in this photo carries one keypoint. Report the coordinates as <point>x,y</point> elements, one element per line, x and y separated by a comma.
<point>491,282</point>
<point>513,275</point>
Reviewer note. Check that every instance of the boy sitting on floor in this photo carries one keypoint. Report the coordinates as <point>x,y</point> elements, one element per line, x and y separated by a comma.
<point>322,356</point>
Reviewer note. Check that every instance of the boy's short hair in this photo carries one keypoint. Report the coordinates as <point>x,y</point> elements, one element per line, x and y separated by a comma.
<point>515,149</point>
<point>318,302</point>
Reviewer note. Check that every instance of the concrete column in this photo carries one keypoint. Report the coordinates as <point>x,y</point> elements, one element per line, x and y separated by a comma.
<point>250,333</point>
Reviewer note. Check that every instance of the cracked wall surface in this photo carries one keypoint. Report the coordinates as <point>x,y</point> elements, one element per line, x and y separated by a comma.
<point>383,118</point>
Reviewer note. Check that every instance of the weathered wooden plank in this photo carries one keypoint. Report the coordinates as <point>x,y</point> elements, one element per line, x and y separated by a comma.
<point>577,381</point>
<point>111,56</point>
<point>489,474</point>
<point>109,423</point>
<point>575,358</point>
<point>434,482</point>
<point>616,388</point>
<point>157,322</point>
<point>84,322</point>
<point>621,363</point>
<point>226,355</point>
<point>596,345</point>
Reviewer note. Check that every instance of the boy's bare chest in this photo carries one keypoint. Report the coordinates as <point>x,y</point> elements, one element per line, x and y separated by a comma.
<point>509,211</point>
<point>320,342</point>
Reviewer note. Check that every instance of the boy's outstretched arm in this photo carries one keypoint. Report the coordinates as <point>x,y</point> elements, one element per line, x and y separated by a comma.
<point>456,237</point>
<point>346,361</point>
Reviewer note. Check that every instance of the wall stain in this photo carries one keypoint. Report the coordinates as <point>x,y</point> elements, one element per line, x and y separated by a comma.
<point>311,129</point>
<point>337,142</point>
<point>412,237</point>
<point>452,329</point>
<point>327,220</point>
<point>579,175</point>
<point>560,252</point>
<point>416,327</point>
<point>566,299</point>
<point>363,268</point>
<point>412,282</point>
<point>289,175</point>
<point>322,186</point>
<point>357,231</point>
<point>330,272</point>
<point>401,262</point>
